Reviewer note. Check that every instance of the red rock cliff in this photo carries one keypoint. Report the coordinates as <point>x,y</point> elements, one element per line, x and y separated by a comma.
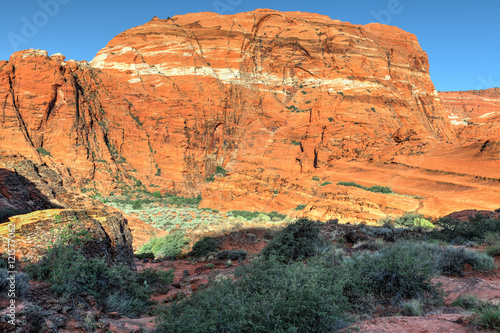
<point>269,96</point>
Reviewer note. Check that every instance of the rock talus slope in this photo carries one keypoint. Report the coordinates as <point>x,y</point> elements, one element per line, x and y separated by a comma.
<point>272,97</point>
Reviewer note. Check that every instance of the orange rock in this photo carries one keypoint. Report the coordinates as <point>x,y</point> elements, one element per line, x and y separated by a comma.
<point>271,97</point>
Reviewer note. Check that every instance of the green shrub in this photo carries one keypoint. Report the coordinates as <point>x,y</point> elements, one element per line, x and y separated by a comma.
<point>299,240</point>
<point>137,204</point>
<point>43,151</point>
<point>375,188</point>
<point>488,318</point>
<point>21,282</point>
<point>470,302</point>
<point>220,170</point>
<point>204,246</point>
<point>452,260</point>
<point>493,250</point>
<point>244,214</point>
<point>267,296</point>
<point>413,220</point>
<point>316,178</point>
<point>157,194</point>
<point>401,271</point>
<point>156,280</point>
<point>412,307</point>
<point>70,274</point>
<point>325,183</point>
<point>351,184</point>
<point>170,245</point>
<point>300,207</point>
<point>4,261</point>
<point>232,255</point>
<point>457,231</point>
<point>380,189</point>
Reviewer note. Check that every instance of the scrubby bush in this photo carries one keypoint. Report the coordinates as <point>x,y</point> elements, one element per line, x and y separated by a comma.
<point>400,271</point>
<point>4,261</point>
<point>137,204</point>
<point>204,246</point>
<point>300,207</point>
<point>232,255</point>
<point>493,250</point>
<point>170,245</point>
<point>299,240</point>
<point>21,282</point>
<point>488,318</point>
<point>458,231</point>
<point>375,188</point>
<point>412,307</point>
<point>70,273</point>
<point>380,189</point>
<point>267,296</point>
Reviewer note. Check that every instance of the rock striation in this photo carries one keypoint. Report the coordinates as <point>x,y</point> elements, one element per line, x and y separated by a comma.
<point>271,97</point>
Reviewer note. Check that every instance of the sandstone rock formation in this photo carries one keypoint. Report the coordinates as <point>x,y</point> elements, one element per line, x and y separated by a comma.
<point>475,116</point>
<point>274,98</point>
<point>110,238</point>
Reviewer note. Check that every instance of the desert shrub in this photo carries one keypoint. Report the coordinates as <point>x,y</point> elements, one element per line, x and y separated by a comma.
<point>400,271</point>
<point>380,189</point>
<point>488,318</point>
<point>276,215</point>
<point>374,188</point>
<point>126,305</point>
<point>232,255</point>
<point>204,246</point>
<point>493,250</point>
<point>157,195</point>
<point>325,183</point>
<point>352,184</point>
<point>4,261</point>
<point>244,214</point>
<point>452,260</point>
<point>156,280</point>
<point>43,151</point>
<point>137,204</point>
<point>300,207</point>
<point>470,302</point>
<point>475,229</point>
<point>144,255</point>
<point>267,296</point>
<point>70,273</point>
<point>21,282</point>
<point>170,245</point>
<point>253,215</point>
<point>413,220</point>
<point>299,240</point>
<point>412,307</point>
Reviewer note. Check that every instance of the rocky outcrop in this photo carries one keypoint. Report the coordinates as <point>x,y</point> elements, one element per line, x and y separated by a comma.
<point>108,235</point>
<point>169,101</point>
<point>273,98</point>
<point>474,115</point>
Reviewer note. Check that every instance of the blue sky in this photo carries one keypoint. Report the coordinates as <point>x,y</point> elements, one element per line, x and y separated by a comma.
<point>462,38</point>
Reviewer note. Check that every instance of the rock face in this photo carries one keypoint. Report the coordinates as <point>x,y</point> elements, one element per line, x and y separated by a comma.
<point>271,97</point>
<point>475,115</point>
<point>111,239</point>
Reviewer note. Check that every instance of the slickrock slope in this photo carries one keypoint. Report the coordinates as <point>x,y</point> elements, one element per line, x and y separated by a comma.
<point>475,114</point>
<point>274,98</point>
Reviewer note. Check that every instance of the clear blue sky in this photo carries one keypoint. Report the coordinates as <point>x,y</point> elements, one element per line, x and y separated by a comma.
<point>462,38</point>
